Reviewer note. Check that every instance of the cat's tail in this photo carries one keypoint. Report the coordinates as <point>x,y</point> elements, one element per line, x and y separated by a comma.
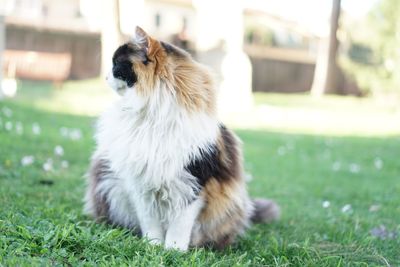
<point>265,211</point>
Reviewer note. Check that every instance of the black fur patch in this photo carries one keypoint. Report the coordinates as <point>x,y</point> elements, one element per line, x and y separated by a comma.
<point>122,66</point>
<point>204,167</point>
<point>209,164</point>
<point>123,53</point>
<point>232,168</point>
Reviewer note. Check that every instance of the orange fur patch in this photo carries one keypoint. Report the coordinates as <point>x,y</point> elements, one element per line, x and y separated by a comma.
<point>218,197</point>
<point>223,217</point>
<point>193,84</point>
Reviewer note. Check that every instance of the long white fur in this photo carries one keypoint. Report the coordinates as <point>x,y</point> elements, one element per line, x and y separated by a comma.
<point>116,84</point>
<point>148,141</point>
<point>180,230</point>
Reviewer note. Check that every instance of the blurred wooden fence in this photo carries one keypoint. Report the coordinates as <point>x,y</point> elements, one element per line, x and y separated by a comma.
<point>37,65</point>
<point>83,48</point>
<point>281,69</point>
<point>274,69</point>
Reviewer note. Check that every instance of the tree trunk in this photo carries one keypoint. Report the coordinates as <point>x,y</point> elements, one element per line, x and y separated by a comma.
<point>326,69</point>
<point>111,36</point>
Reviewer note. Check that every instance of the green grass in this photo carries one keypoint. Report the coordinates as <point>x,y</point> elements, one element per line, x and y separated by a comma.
<point>42,224</point>
<point>331,115</point>
<point>87,97</point>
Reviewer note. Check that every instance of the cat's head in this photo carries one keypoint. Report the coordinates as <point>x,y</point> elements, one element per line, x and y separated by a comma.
<point>146,65</point>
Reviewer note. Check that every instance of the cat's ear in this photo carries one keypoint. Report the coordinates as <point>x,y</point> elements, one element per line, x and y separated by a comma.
<point>141,38</point>
<point>144,40</point>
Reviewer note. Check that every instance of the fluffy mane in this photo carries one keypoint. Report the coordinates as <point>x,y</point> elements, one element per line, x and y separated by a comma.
<point>172,68</point>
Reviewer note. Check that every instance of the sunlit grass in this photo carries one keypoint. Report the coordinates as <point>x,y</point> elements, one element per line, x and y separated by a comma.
<point>292,113</point>
<point>88,97</point>
<point>329,115</point>
<point>41,220</point>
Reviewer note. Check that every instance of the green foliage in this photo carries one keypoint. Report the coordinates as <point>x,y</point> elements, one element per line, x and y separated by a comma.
<point>260,36</point>
<point>378,71</point>
<point>361,54</point>
<point>43,224</point>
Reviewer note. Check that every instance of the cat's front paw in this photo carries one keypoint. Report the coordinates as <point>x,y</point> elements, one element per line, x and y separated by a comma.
<point>155,241</point>
<point>181,246</point>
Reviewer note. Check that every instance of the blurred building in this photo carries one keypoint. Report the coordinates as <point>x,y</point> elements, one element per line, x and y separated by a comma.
<point>66,33</point>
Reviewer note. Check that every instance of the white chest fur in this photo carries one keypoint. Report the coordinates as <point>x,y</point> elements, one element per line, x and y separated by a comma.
<point>148,143</point>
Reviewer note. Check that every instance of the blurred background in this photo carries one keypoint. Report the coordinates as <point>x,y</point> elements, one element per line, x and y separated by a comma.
<point>274,61</point>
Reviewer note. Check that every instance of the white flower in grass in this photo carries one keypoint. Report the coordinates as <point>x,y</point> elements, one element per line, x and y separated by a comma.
<point>7,112</point>
<point>374,208</point>
<point>48,165</point>
<point>346,208</point>
<point>354,168</point>
<point>281,150</point>
<point>64,164</point>
<point>336,166</point>
<point>19,128</point>
<point>64,131</point>
<point>248,177</point>
<point>8,125</point>
<point>326,204</point>
<point>59,151</point>
<point>378,163</point>
<point>27,160</point>
<point>36,128</point>
<point>75,134</point>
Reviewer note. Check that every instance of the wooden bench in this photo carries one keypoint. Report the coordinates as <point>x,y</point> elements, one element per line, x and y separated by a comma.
<point>34,65</point>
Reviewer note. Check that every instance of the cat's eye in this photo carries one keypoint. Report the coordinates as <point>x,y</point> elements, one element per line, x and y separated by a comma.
<point>146,61</point>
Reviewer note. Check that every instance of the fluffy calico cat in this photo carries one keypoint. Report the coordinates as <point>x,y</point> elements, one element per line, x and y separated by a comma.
<point>164,165</point>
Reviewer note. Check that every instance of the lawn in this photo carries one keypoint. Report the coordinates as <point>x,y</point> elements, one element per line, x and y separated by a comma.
<point>339,193</point>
